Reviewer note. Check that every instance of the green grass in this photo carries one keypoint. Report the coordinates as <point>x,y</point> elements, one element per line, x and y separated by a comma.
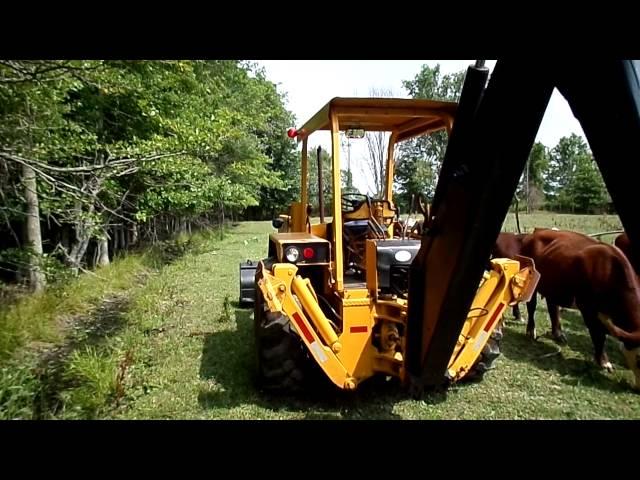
<point>184,350</point>
<point>69,316</point>
<point>41,318</point>
<point>588,224</point>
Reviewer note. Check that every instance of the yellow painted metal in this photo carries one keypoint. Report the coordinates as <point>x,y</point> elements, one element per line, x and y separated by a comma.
<point>276,289</point>
<point>295,237</point>
<point>357,352</point>
<point>337,199</point>
<point>390,164</point>
<point>319,230</point>
<point>298,217</point>
<point>304,181</point>
<point>494,294</point>
<point>383,114</point>
<point>309,300</point>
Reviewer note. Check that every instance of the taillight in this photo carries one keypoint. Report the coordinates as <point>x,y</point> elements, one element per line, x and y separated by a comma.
<point>308,253</point>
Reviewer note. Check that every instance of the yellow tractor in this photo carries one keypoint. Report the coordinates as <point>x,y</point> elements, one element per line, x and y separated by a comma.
<point>354,296</point>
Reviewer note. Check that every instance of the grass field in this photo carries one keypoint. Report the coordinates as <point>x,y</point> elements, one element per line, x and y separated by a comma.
<point>176,346</point>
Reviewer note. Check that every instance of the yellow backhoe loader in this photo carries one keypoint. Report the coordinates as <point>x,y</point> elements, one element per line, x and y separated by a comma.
<point>355,296</point>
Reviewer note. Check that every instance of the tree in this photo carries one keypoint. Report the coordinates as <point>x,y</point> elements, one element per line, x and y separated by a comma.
<point>111,151</point>
<point>562,166</point>
<point>533,178</point>
<point>586,190</point>
<point>346,185</point>
<point>573,182</point>
<point>30,126</point>
<point>327,177</point>
<point>419,159</point>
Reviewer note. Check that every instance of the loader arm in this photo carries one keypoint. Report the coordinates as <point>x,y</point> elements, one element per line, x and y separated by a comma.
<point>479,176</point>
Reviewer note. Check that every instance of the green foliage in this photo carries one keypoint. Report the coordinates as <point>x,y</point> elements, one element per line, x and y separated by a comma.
<point>573,182</point>
<point>120,142</point>
<point>538,164</point>
<point>94,376</point>
<point>19,387</point>
<point>327,178</point>
<point>586,191</point>
<point>419,160</point>
<point>347,182</point>
<point>19,259</point>
<point>562,165</point>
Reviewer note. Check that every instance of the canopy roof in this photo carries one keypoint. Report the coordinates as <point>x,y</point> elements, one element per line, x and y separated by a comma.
<point>406,117</point>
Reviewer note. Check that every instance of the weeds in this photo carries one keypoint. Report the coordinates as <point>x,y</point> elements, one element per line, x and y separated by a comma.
<point>227,314</point>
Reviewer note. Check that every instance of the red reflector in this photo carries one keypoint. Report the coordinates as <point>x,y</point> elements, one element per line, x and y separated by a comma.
<point>487,327</point>
<point>308,252</point>
<point>359,329</point>
<point>300,323</point>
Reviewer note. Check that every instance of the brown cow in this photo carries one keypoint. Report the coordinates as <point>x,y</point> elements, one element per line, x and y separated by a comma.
<point>577,271</point>
<point>509,245</point>
<point>623,243</point>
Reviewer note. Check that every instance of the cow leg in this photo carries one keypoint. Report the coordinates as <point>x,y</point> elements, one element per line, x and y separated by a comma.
<point>632,357</point>
<point>516,313</point>
<point>531,312</point>
<point>556,330</point>
<point>531,328</point>
<point>531,306</point>
<point>598,336</point>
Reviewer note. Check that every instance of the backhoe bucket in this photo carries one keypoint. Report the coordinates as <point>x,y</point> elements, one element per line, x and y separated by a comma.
<point>530,289</point>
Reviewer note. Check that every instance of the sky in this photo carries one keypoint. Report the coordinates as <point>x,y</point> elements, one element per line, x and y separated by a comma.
<point>310,84</point>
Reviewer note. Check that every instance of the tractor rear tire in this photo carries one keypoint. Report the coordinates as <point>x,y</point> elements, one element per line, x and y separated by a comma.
<point>486,361</point>
<point>281,356</point>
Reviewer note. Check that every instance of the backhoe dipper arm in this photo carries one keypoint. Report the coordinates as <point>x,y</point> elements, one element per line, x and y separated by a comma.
<point>488,149</point>
<point>486,155</point>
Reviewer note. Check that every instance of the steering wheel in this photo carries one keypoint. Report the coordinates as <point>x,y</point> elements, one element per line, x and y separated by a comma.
<point>423,205</point>
<point>351,201</point>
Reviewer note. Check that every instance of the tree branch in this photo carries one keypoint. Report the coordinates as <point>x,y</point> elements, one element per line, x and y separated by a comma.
<point>88,168</point>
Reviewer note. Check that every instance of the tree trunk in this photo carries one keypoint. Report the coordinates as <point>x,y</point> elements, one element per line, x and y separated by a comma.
<point>154,238</point>
<point>81,243</point>
<point>103,252</point>
<point>123,238</point>
<point>113,242</point>
<point>134,233</point>
<point>37,279</point>
<point>66,242</point>
<point>78,250</point>
<point>221,220</point>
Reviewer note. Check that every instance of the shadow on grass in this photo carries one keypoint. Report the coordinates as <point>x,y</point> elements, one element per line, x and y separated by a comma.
<point>228,359</point>
<point>546,355</point>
